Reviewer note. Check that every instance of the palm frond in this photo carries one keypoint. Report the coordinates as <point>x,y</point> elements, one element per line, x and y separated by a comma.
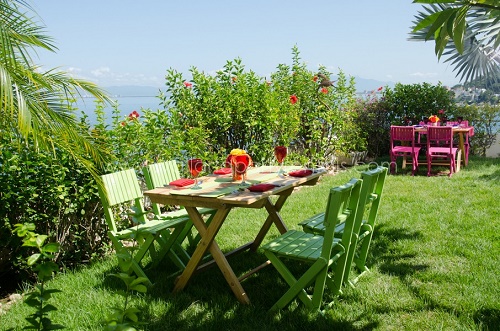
<point>478,54</point>
<point>38,101</point>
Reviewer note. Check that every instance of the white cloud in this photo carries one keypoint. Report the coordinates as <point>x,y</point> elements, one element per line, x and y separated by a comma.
<point>106,77</point>
<point>424,74</point>
<point>100,72</point>
<point>74,70</point>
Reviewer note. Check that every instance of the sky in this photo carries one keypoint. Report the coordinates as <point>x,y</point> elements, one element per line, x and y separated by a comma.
<point>125,42</point>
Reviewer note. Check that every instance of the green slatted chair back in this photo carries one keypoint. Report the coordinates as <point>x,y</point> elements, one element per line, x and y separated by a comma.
<point>121,190</point>
<point>159,175</point>
<point>326,255</point>
<point>364,225</point>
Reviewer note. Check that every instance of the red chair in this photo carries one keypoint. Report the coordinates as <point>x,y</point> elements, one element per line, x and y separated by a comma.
<point>402,145</point>
<point>440,146</point>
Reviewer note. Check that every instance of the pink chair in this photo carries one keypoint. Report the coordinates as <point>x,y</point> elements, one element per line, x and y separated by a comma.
<point>402,145</point>
<point>440,146</point>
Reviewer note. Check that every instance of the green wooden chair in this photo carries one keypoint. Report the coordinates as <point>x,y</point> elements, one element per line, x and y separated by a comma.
<point>160,174</point>
<point>325,254</point>
<point>364,225</point>
<point>156,236</point>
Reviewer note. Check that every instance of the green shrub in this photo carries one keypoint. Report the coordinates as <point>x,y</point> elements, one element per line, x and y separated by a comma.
<point>486,121</point>
<point>325,107</point>
<point>403,105</point>
<point>52,192</point>
<point>211,115</point>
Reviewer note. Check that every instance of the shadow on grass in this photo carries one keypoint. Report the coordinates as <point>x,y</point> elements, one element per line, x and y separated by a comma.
<point>487,318</point>
<point>207,303</point>
<point>400,264</point>
<point>394,262</point>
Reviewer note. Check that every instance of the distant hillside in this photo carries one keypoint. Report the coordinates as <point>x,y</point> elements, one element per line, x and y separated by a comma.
<point>367,85</point>
<point>362,85</point>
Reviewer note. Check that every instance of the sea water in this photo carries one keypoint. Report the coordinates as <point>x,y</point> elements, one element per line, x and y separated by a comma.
<point>126,105</point>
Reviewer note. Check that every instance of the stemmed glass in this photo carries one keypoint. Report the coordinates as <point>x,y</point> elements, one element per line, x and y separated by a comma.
<point>195,167</point>
<point>241,162</point>
<point>280,153</point>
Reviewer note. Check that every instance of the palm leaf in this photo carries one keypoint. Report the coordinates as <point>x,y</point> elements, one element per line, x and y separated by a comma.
<point>472,49</point>
<point>38,101</point>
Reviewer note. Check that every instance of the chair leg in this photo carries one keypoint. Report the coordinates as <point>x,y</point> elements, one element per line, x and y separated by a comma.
<point>452,165</point>
<point>393,164</point>
<point>296,286</point>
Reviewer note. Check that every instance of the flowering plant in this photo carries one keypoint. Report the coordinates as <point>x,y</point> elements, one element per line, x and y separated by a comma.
<point>433,119</point>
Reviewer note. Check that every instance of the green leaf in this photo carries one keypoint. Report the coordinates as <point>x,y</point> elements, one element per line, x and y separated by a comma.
<point>51,248</point>
<point>439,22</point>
<point>33,258</point>
<point>139,280</point>
<point>40,239</point>
<point>459,31</point>
<point>32,302</point>
<point>48,308</point>
<point>139,288</point>
<point>46,269</point>
<point>131,314</point>
<point>429,20</point>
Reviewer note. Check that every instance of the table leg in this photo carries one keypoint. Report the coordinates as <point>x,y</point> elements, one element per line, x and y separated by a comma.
<point>208,242</point>
<point>273,217</point>
<point>461,145</point>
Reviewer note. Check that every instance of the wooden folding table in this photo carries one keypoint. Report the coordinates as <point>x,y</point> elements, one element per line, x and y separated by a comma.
<point>221,193</point>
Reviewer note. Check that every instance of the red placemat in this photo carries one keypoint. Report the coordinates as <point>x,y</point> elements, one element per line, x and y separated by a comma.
<point>261,187</point>
<point>182,182</point>
<point>301,173</point>
<point>222,171</point>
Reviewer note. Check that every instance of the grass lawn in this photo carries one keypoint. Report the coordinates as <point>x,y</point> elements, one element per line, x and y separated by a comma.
<point>434,266</point>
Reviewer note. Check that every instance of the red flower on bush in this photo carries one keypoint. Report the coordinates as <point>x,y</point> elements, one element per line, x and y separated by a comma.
<point>234,78</point>
<point>123,123</point>
<point>441,111</point>
<point>188,84</point>
<point>133,115</point>
<point>293,99</point>
<point>380,88</point>
<point>324,90</point>
<point>315,78</point>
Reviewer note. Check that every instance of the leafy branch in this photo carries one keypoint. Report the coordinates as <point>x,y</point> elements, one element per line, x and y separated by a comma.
<point>42,262</point>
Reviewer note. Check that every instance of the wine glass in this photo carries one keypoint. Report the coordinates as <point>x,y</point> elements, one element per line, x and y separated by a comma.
<point>195,167</point>
<point>241,162</point>
<point>280,153</point>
